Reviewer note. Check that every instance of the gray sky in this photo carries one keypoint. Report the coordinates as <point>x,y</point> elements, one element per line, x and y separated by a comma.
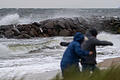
<point>59,3</point>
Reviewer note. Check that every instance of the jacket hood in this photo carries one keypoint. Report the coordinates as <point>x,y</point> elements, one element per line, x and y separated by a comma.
<point>79,37</point>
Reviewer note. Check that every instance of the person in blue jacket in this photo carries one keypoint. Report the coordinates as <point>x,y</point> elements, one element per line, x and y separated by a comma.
<point>89,62</point>
<point>72,54</point>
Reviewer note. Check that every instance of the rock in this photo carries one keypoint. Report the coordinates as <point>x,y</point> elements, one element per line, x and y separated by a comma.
<point>55,32</point>
<point>64,33</point>
<point>50,24</point>
<point>36,24</point>
<point>9,34</point>
<point>33,33</point>
<point>1,32</point>
<point>61,27</point>
<point>16,31</point>
<point>23,36</point>
<point>72,25</point>
<point>50,32</point>
<point>76,22</point>
<point>2,36</point>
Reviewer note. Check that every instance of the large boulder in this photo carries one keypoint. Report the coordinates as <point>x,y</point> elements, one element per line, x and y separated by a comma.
<point>9,34</point>
<point>23,36</point>
<point>33,33</point>
<point>64,32</point>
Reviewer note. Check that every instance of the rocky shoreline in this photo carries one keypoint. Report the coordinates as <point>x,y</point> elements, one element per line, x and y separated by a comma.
<point>60,27</point>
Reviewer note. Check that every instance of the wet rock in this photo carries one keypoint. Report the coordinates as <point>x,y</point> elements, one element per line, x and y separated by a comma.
<point>33,33</point>
<point>70,22</point>
<point>36,24</point>
<point>61,27</point>
<point>50,24</point>
<point>2,36</point>
<point>23,36</point>
<point>9,34</point>
<point>55,32</point>
<point>50,32</point>
<point>16,31</point>
<point>64,33</point>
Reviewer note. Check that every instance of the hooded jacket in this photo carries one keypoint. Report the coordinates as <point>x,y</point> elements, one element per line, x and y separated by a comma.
<point>90,45</point>
<point>73,52</point>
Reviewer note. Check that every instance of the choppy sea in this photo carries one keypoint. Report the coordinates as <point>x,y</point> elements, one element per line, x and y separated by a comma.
<point>23,56</point>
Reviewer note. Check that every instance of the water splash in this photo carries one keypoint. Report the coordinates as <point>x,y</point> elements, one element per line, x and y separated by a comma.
<point>4,50</point>
<point>14,19</point>
<point>10,19</point>
<point>48,59</point>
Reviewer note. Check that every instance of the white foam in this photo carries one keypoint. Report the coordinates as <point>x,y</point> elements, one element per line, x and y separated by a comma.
<point>109,51</point>
<point>48,59</point>
<point>8,73</point>
<point>4,50</point>
<point>114,38</point>
<point>14,19</point>
<point>10,19</point>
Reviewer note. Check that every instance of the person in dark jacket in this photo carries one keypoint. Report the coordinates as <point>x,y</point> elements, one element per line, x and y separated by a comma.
<point>89,62</point>
<point>73,53</point>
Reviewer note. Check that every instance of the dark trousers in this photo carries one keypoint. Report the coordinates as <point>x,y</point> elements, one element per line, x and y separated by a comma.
<point>89,67</point>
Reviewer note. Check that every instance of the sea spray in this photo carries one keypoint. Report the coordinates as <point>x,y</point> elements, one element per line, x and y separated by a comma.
<point>14,19</point>
<point>4,50</point>
<point>10,19</point>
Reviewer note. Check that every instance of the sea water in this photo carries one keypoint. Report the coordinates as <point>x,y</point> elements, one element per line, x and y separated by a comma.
<point>19,57</point>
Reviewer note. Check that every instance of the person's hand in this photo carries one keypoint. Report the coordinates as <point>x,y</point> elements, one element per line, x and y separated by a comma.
<point>90,53</point>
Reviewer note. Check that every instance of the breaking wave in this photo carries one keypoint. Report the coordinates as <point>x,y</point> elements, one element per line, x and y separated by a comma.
<point>45,55</point>
<point>14,19</point>
<point>4,50</point>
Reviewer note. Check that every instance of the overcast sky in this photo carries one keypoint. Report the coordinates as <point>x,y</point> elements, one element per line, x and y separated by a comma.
<point>59,3</point>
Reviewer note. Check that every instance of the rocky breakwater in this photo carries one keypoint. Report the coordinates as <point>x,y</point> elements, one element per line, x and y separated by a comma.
<point>59,27</point>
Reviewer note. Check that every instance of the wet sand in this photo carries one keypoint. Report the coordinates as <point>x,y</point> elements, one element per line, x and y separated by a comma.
<point>109,62</point>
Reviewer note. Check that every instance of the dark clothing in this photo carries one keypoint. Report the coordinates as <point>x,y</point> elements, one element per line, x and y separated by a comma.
<point>64,43</point>
<point>89,62</point>
<point>89,67</point>
<point>73,52</point>
<point>90,45</point>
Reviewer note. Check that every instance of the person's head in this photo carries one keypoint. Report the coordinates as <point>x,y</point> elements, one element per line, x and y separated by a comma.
<point>93,32</point>
<point>79,37</point>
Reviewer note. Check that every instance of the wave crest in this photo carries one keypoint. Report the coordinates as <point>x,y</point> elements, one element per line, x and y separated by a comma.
<point>10,19</point>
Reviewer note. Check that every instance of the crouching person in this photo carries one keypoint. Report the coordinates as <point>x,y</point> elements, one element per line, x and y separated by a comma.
<point>70,60</point>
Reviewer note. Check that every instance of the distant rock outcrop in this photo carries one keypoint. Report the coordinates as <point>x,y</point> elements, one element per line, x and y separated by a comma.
<point>59,27</point>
